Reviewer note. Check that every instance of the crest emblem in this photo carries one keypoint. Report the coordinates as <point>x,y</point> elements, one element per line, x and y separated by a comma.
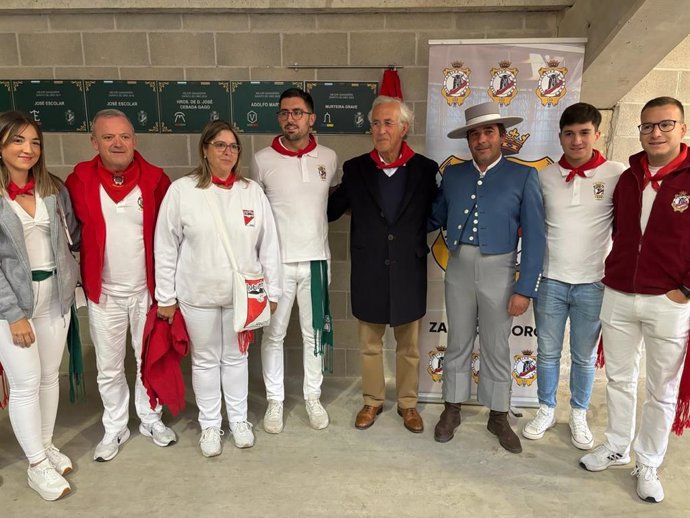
<point>456,83</point>
<point>359,120</point>
<point>248,217</point>
<point>680,202</point>
<point>503,83</point>
<point>435,365</point>
<point>322,173</point>
<point>142,118</point>
<point>70,117</point>
<point>118,180</point>
<point>551,83</point>
<point>474,364</point>
<point>598,189</point>
<point>524,368</point>
<point>140,203</point>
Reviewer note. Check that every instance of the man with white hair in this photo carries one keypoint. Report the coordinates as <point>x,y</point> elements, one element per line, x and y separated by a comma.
<point>388,192</point>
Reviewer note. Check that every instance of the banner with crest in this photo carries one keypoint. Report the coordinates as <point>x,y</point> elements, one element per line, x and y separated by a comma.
<point>532,79</point>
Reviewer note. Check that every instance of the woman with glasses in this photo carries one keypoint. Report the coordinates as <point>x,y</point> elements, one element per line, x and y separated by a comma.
<point>193,270</point>
<point>38,276</point>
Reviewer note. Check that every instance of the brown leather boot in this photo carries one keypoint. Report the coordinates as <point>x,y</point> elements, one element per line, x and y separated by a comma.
<point>448,422</point>
<point>498,425</point>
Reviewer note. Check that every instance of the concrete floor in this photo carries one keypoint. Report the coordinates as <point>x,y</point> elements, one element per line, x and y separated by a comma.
<point>339,472</point>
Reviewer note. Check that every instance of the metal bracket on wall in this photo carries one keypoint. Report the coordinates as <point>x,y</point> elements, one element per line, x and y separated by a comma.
<point>297,66</point>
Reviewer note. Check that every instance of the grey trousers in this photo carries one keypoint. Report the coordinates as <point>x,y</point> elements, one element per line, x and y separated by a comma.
<point>478,288</point>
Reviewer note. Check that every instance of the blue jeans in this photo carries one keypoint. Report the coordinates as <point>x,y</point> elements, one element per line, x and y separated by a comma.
<point>556,302</point>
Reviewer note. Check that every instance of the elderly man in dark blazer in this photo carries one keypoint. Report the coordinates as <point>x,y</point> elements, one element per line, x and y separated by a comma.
<point>388,192</point>
<point>483,203</point>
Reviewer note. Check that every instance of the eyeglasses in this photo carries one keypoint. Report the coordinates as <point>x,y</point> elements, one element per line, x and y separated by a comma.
<point>648,127</point>
<point>296,114</point>
<point>222,147</point>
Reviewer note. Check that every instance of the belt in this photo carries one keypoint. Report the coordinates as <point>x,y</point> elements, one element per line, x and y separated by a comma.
<point>41,275</point>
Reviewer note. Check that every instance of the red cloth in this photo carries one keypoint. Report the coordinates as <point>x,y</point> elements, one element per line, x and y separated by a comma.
<point>594,162</point>
<point>390,84</point>
<point>661,173</point>
<point>228,182</point>
<point>278,146</point>
<point>84,189</point>
<point>659,258</point>
<point>129,177</point>
<point>163,348</point>
<point>406,154</point>
<point>13,190</point>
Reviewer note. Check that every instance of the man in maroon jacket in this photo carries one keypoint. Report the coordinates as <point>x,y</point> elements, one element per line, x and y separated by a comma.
<point>647,279</point>
<point>116,196</point>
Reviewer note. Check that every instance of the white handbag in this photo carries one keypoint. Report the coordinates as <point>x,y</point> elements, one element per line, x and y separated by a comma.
<point>249,296</point>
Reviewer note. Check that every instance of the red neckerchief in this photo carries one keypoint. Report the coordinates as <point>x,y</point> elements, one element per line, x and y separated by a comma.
<point>13,190</point>
<point>661,173</point>
<point>118,185</point>
<point>224,183</point>
<point>280,148</point>
<point>406,154</point>
<point>594,162</point>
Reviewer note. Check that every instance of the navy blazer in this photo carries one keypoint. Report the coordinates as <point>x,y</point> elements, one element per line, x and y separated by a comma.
<point>388,277</point>
<point>508,198</point>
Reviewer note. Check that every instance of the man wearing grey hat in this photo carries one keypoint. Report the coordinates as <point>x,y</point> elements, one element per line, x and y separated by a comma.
<point>484,204</point>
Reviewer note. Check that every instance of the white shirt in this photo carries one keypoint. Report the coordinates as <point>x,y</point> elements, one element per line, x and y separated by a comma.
<point>191,262</point>
<point>579,216</point>
<point>297,189</point>
<point>124,262</point>
<point>36,234</point>
<point>648,197</point>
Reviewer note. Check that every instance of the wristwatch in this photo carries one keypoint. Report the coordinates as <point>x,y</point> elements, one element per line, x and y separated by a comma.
<point>685,291</point>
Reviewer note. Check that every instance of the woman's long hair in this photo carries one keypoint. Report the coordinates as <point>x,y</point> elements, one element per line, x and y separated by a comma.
<point>203,171</point>
<point>12,124</point>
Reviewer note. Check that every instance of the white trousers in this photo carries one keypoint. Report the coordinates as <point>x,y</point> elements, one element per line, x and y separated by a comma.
<point>109,321</point>
<point>32,372</point>
<point>628,320</point>
<point>296,284</point>
<point>217,363</point>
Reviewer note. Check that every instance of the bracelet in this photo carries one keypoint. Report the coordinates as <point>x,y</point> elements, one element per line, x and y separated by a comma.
<point>685,291</point>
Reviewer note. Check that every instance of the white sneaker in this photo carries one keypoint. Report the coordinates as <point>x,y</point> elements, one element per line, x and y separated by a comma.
<point>273,418</point>
<point>580,434</point>
<point>318,417</point>
<point>210,441</point>
<point>242,434</point>
<point>602,457</point>
<point>60,461</point>
<point>110,445</point>
<point>47,482</point>
<point>648,484</point>
<point>162,435</point>
<point>536,428</point>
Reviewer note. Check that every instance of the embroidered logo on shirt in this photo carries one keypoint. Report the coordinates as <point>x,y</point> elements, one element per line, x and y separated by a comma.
<point>248,217</point>
<point>140,202</point>
<point>598,189</point>
<point>322,173</point>
<point>680,202</point>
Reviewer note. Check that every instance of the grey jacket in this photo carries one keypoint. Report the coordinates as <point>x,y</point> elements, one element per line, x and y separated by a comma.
<point>16,292</point>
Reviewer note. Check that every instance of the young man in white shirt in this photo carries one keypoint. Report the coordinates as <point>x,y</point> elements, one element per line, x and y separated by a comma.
<point>297,173</point>
<point>578,202</point>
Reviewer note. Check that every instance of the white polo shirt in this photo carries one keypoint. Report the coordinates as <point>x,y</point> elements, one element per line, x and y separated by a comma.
<point>579,217</point>
<point>297,189</point>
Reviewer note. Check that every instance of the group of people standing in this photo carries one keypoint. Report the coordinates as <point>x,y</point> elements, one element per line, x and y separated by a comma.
<point>143,240</point>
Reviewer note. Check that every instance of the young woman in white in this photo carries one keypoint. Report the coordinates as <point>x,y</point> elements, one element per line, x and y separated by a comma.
<point>37,279</point>
<point>193,270</point>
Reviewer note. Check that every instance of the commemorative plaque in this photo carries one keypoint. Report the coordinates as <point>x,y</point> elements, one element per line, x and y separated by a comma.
<point>136,99</point>
<point>255,103</point>
<point>55,105</point>
<point>187,106</point>
<point>342,107</point>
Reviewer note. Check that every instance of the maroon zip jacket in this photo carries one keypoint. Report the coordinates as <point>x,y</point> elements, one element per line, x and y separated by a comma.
<point>659,260</point>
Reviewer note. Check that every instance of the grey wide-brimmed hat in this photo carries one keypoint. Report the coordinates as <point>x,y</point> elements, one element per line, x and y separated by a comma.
<point>482,115</point>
